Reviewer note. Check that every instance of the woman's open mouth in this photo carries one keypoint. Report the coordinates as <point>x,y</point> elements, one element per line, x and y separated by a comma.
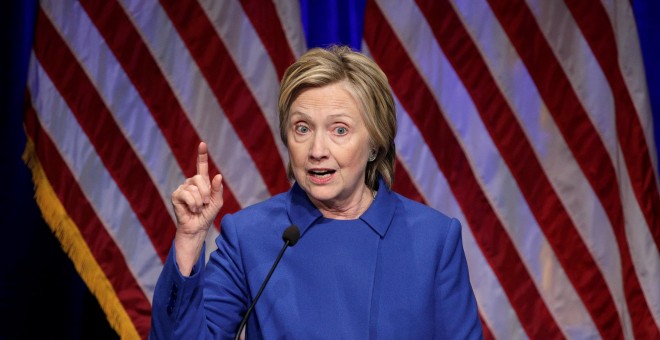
<point>320,175</point>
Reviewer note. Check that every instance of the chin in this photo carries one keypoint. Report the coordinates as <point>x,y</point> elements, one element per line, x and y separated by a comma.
<point>321,193</point>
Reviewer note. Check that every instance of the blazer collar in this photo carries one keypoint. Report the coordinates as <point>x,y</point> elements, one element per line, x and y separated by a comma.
<point>378,217</point>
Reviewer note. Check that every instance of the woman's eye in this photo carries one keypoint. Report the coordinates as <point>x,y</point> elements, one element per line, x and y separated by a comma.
<point>341,130</point>
<point>302,129</point>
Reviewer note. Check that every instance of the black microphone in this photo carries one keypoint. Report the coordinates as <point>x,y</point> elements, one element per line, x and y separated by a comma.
<point>290,238</point>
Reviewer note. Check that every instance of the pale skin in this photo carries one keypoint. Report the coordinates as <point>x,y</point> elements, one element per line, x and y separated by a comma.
<point>196,203</point>
<point>327,133</point>
<point>328,146</point>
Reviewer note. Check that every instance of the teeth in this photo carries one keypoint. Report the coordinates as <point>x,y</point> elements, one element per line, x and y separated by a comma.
<point>321,172</point>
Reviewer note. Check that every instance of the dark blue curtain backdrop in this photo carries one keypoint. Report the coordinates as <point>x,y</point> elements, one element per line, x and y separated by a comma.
<point>333,22</point>
<point>647,13</point>
<point>41,294</point>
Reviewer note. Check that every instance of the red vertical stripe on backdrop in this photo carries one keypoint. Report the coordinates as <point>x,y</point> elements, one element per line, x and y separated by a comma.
<point>576,128</point>
<point>491,236</point>
<point>100,243</point>
<point>404,185</point>
<point>266,22</point>
<point>141,68</point>
<point>488,335</point>
<point>515,149</point>
<point>112,147</point>
<point>597,29</point>
<point>232,92</point>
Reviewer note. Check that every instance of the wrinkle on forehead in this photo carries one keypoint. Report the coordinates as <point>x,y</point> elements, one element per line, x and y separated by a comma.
<point>337,103</point>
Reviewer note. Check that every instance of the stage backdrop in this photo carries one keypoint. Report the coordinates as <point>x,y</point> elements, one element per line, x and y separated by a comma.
<point>529,121</point>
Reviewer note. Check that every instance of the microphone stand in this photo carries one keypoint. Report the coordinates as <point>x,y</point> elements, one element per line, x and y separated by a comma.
<point>290,238</point>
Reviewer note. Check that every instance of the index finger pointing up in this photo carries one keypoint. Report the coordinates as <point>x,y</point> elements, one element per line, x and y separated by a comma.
<point>203,161</point>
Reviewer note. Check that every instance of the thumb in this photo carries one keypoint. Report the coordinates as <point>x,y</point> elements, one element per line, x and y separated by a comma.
<point>216,189</point>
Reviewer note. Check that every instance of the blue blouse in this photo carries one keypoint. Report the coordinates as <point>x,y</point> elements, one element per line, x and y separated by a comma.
<point>397,272</point>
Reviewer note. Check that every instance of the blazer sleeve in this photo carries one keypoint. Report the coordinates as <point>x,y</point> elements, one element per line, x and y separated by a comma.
<point>177,303</point>
<point>455,306</point>
<point>208,304</point>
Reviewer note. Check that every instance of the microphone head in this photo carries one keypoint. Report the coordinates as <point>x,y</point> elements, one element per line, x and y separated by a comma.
<point>291,235</point>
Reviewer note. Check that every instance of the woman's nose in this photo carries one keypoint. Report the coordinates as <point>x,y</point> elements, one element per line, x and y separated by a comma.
<point>319,146</point>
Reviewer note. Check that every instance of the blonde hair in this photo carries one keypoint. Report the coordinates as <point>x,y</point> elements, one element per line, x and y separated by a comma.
<point>368,85</point>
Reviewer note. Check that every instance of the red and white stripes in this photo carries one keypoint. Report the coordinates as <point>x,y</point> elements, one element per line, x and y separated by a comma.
<point>527,120</point>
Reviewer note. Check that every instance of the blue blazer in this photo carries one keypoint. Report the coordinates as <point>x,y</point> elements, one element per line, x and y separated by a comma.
<point>397,272</point>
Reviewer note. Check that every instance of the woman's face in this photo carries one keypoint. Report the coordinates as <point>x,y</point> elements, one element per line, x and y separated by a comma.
<point>329,146</point>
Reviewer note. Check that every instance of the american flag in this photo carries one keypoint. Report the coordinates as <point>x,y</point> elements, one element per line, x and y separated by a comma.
<point>527,120</point>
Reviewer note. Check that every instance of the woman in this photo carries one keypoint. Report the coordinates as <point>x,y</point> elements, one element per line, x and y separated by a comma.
<point>369,263</point>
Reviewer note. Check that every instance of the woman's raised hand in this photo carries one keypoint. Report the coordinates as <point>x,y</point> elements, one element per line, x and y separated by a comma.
<point>196,204</point>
